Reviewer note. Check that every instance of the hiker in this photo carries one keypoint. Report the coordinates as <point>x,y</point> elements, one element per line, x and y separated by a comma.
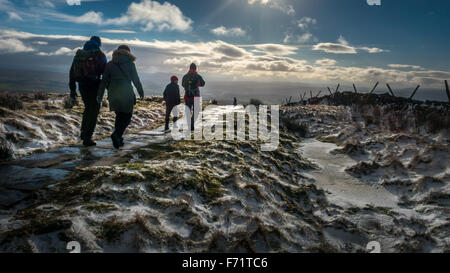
<point>87,67</point>
<point>118,76</point>
<point>191,83</point>
<point>234,101</point>
<point>172,99</point>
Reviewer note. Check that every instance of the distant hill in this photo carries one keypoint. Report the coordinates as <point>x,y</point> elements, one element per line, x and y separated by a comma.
<point>24,81</point>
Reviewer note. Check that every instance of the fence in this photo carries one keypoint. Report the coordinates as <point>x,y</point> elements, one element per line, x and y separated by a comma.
<point>302,97</point>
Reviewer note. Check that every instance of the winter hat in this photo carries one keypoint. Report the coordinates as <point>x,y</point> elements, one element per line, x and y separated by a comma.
<point>173,78</point>
<point>124,47</point>
<point>97,40</point>
<point>193,67</point>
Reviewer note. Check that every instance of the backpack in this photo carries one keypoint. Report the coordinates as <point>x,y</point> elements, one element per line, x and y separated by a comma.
<point>85,65</point>
<point>191,84</point>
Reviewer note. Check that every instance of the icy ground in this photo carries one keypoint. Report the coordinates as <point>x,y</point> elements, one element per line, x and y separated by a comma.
<point>46,123</point>
<point>340,186</point>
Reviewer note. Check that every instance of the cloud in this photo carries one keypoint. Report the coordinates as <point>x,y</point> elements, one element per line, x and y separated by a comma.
<point>304,22</point>
<point>275,4</point>
<point>373,49</point>
<point>231,32</point>
<point>14,16</point>
<point>73,2</point>
<point>230,50</point>
<point>13,45</point>
<point>301,38</point>
<point>276,49</point>
<point>326,62</point>
<point>342,40</point>
<point>335,48</point>
<point>78,2</point>
<point>91,17</point>
<point>154,15</point>
<point>150,15</point>
<point>218,59</point>
<point>344,47</point>
<point>300,33</point>
<point>59,52</point>
<point>415,67</point>
<point>119,31</point>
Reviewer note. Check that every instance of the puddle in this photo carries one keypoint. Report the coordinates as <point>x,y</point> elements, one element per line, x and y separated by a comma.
<point>344,189</point>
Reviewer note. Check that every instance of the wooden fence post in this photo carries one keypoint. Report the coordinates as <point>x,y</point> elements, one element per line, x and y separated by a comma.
<point>390,89</point>
<point>329,90</point>
<point>375,87</point>
<point>310,92</point>
<point>414,93</point>
<point>447,90</point>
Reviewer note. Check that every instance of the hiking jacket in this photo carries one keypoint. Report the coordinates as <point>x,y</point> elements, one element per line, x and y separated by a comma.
<point>118,76</point>
<point>84,54</point>
<point>185,83</point>
<point>172,94</point>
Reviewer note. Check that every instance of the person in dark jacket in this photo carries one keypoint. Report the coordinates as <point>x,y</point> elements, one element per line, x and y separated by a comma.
<point>192,82</point>
<point>88,83</point>
<point>118,76</point>
<point>172,98</point>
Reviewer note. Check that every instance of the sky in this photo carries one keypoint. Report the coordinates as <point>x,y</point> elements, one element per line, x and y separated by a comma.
<point>403,42</point>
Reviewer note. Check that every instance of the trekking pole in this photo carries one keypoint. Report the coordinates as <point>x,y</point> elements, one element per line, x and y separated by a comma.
<point>337,88</point>
<point>354,88</point>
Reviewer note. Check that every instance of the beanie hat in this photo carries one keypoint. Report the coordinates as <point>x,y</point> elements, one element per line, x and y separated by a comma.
<point>97,40</point>
<point>173,78</point>
<point>193,66</point>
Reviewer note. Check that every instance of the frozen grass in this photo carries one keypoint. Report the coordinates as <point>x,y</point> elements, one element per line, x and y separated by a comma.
<point>11,101</point>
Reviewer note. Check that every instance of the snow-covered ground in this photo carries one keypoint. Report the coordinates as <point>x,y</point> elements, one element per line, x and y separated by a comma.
<point>334,184</point>
<point>45,123</point>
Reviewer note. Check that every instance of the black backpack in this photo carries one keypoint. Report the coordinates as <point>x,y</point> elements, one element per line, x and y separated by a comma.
<point>191,84</point>
<point>85,65</point>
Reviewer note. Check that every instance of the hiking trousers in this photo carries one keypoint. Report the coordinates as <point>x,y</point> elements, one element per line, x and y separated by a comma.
<point>169,108</point>
<point>191,106</point>
<point>121,123</point>
<point>88,94</point>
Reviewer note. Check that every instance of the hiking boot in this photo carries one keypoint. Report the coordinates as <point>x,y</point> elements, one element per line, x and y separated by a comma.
<point>89,143</point>
<point>121,144</point>
<point>166,128</point>
<point>116,141</point>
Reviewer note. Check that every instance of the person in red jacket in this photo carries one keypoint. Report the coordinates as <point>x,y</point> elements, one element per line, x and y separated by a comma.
<point>192,82</point>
